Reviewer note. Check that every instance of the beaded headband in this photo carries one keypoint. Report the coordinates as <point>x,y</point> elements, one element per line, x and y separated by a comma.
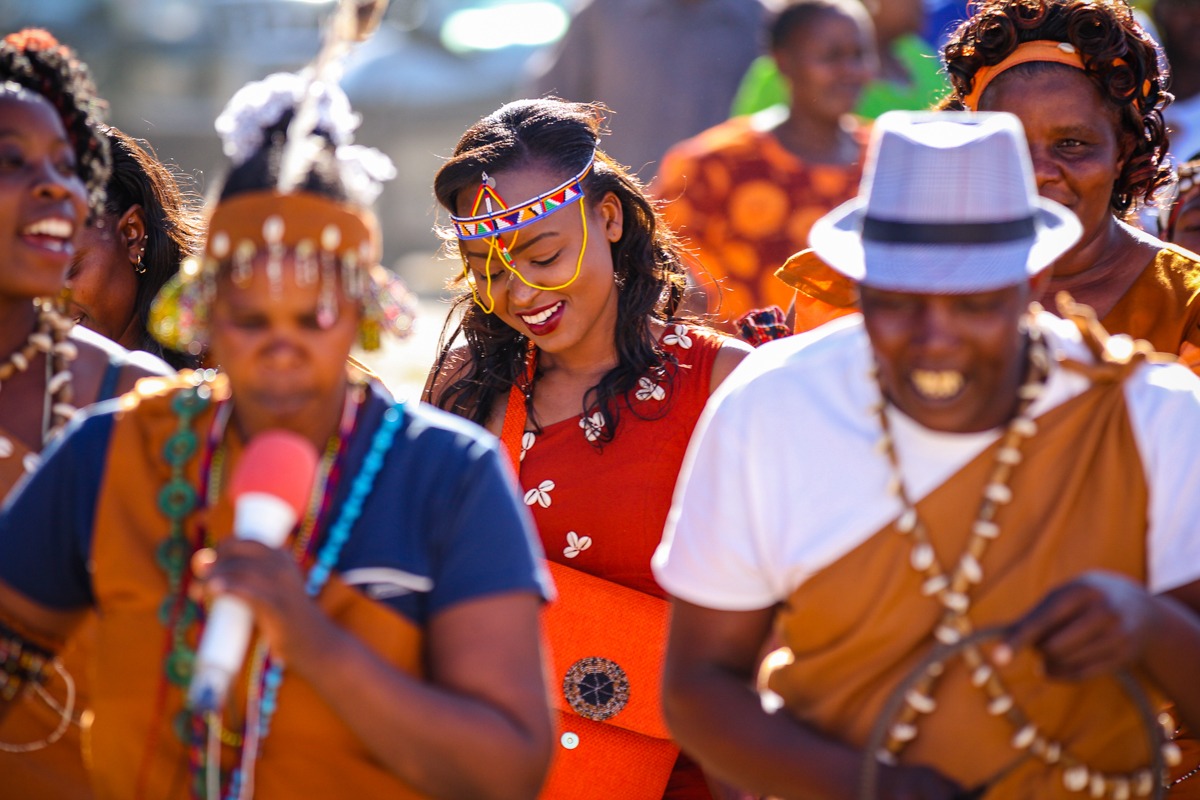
<point>1041,50</point>
<point>325,238</point>
<point>274,223</point>
<point>503,219</point>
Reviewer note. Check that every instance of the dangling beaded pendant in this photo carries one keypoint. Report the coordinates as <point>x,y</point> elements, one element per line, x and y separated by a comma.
<point>331,237</point>
<point>306,263</point>
<point>243,263</point>
<point>273,230</point>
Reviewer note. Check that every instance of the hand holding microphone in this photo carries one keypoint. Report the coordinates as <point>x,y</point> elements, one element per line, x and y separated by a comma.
<point>270,488</point>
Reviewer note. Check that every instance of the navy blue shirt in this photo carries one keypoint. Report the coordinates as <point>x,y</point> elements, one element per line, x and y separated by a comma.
<point>443,522</point>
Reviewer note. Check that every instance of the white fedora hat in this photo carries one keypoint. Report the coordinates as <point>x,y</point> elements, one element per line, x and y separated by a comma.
<point>948,205</point>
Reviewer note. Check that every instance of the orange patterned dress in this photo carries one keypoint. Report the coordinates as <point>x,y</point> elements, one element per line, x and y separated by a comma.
<point>744,204</point>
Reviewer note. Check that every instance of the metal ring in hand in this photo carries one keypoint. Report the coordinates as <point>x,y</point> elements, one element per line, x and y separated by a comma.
<point>869,781</point>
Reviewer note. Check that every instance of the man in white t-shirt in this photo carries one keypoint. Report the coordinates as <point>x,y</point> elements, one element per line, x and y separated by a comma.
<point>950,461</point>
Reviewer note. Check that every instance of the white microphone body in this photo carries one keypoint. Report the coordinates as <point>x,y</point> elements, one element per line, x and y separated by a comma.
<point>258,517</point>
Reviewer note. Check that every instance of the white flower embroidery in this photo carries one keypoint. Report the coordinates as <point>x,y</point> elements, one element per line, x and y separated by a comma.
<point>649,390</point>
<point>576,544</point>
<point>6,447</point>
<point>678,336</point>
<point>31,462</point>
<point>592,426</point>
<point>540,494</point>
<point>527,442</point>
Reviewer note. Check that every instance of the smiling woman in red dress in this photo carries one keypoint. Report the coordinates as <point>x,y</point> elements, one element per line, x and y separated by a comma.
<point>574,356</point>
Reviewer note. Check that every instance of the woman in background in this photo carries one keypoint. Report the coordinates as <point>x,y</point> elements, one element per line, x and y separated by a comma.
<point>745,193</point>
<point>1084,78</point>
<point>127,253</point>
<point>909,77</point>
<point>54,164</point>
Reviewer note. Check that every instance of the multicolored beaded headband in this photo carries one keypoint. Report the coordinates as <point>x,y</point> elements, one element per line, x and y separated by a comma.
<point>1041,50</point>
<point>501,219</point>
<point>325,238</point>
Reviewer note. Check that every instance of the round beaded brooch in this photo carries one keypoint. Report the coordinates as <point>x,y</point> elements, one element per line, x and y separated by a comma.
<point>596,688</point>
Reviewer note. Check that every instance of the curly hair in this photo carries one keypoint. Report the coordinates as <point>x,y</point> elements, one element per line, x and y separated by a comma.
<point>1102,31</point>
<point>561,136</point>
<point>174,227</point>
<point>34,59</point>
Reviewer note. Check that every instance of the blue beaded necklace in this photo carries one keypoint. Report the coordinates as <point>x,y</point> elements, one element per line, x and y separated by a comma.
<point>241,783</point>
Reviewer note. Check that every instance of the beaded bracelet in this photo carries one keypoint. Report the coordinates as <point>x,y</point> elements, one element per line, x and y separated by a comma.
<point>21,662</point>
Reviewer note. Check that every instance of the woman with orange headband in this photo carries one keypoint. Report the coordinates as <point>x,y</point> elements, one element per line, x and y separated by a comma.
<point>1085,80</point>
<point>575,357</point>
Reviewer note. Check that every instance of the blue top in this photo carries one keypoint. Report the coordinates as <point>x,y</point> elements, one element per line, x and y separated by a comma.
<point>443,523</point>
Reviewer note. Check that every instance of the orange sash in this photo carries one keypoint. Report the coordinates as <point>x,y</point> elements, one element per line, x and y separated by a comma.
<point>56,770</point>
<point>607,645</point>
<point>858,627</point>
<point>310,752</point>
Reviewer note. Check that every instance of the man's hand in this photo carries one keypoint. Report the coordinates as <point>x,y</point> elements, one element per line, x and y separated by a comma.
<point>1092,626</point>
<point>916,783</point>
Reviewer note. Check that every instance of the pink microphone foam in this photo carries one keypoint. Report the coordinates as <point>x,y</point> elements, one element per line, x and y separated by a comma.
<point>280,463</point>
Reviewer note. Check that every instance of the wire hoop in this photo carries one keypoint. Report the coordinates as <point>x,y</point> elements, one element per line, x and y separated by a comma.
<point>66,715</point>
<point>869,776</point>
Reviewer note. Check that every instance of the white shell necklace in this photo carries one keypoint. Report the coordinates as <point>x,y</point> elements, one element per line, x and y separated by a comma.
<point>952,588</point>
<point>50,336</point>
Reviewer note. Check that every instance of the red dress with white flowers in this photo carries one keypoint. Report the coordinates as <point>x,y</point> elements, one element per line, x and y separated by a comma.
<point>601,509</point>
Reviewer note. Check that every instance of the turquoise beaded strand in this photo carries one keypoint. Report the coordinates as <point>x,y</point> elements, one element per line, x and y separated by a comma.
<point>318,574</point>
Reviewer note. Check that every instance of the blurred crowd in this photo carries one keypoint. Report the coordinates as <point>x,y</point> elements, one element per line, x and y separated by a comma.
<point>828,267</point>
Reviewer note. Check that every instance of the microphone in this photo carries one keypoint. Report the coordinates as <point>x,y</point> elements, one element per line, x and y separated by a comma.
<point>270,489</point>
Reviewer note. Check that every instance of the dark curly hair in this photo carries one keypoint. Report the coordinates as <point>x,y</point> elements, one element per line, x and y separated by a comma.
<point>35,60</point>
<point>174,226</point>
<point>1102,31</point>
<point>562,137</point>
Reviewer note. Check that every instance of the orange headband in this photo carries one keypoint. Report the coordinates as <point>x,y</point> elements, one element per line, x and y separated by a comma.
<point>258,220</point>
<point>1042,50</point>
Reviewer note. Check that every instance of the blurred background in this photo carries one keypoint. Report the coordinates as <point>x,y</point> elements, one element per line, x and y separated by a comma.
<point>167,67</point>
<point>669,70</point>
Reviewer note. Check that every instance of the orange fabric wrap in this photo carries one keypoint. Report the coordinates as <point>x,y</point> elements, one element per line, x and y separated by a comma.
<point>858,627</point>
<point>1163,305</point>
<point>580,623</point>
<point>822,294</point>
<point>514,427</point>
<point>56,770</point>
<point>808,274</point>
<point>310,753</point>
<point>630,755</point>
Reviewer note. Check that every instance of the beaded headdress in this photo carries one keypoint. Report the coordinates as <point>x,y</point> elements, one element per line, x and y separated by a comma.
<point>501,218</point>
<point>328,240</point>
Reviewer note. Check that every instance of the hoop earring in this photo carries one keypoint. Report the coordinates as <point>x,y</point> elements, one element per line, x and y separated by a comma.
<point>138,266</point>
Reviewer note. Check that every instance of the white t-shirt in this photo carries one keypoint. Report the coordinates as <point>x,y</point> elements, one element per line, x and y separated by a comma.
<point>782,477</point>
